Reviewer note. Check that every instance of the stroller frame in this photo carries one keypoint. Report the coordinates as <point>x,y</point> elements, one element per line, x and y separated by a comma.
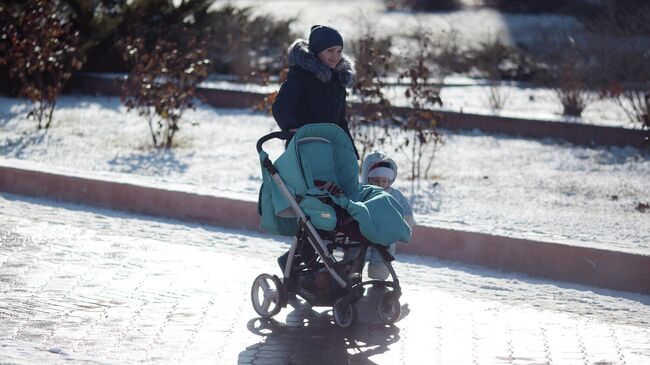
<point>269,293</point>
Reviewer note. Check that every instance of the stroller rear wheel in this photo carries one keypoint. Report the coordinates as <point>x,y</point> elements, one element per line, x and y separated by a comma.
<point>267,295</point>
<point>388,307</point>
<point>344,313</point>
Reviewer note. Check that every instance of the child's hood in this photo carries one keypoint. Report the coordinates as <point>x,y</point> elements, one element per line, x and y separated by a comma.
<point>373,159</point>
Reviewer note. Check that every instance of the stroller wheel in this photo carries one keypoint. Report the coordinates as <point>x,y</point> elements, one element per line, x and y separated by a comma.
<point>388,308</point>
<point>267,295</point>
<point>344,313</point>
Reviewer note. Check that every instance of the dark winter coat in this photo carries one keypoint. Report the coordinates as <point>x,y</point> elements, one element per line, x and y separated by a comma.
<point>313,92</point>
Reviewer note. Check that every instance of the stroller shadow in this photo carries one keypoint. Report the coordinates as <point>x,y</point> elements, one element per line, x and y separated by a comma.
<point>309,336</point>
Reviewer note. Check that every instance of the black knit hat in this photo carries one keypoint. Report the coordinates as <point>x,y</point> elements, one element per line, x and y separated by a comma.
<point>323,37</point>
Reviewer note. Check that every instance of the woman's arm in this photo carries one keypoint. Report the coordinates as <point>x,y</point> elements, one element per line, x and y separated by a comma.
<point>285,105</point>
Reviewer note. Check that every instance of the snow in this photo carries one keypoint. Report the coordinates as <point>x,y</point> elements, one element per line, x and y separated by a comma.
<point>538,189</point>
<point>462,94</point>
<point>546,190</point>
<point>352,18</point>
<point>472,25</point>
<point>89,230</point>
<point>111,265</point>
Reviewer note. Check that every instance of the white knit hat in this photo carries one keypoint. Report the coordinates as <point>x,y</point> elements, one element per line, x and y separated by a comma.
<point>381,171</point>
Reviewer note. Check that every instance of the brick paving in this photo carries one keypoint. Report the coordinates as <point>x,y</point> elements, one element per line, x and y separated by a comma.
<point>76,289</point>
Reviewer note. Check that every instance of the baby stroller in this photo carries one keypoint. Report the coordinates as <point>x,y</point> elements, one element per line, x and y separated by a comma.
<point>311,192</point>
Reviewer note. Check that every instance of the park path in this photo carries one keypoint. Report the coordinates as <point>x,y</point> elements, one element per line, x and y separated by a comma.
<point>87,285</point>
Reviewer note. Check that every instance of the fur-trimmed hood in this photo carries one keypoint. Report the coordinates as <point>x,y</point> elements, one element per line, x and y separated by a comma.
<point>300,56</point>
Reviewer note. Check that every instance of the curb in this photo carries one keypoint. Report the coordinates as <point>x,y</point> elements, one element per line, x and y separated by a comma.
<point>584,265</point>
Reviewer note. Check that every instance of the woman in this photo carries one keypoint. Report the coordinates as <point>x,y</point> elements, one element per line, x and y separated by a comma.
<point>314,91</point>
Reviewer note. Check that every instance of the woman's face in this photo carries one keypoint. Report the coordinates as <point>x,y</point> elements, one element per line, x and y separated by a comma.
<point>331,56</point>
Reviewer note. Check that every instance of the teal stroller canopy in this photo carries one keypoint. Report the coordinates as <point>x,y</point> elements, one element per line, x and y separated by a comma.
<point>324,153</point>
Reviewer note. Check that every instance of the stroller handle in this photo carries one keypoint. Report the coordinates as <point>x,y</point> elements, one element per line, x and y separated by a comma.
<point>283,135</point>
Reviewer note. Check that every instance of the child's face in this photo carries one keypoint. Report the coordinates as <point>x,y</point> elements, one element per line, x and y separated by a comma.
<point>331,56</point>
<point>382,182</point>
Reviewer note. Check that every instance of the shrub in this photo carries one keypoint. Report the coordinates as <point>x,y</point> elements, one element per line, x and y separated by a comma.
<point>168,62</point>
<point>570,68</point>
<point>246,46</point>
<point>489,60</point>
<point>620,17</point>
<point>573,7</point>
<point>423,5</point>
<point>420,123</point>
<point>497,61</point>
<point>40,51</point>
<point>101,23</point>
<point>375,121</point>
<point>237,42</point>
<point>624,58</point>
<point>570,78</point>
<point>448,54</point>
<point>369,124</point>
<point>8,86</point>
<point>629,82</point>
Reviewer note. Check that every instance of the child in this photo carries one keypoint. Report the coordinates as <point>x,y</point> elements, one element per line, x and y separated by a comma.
<point>377,169</point>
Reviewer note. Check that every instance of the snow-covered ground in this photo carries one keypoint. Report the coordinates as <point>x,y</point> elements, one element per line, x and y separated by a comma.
<point>545,190</point>
<point>473,24</point>
<point>540,189</point>
<point>71,225</point>
<point>462,94</point>
<point>85,285</point>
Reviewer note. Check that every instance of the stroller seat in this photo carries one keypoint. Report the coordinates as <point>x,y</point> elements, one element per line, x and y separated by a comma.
<point>323,152</point>
<point>325,169</point>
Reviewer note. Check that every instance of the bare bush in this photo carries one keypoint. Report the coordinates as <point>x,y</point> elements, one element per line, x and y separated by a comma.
<point>375,122</point>
<point>571,79</point>
<point>624,57</point>
<point>168,62</point>
<point>571,68</point>
<point>497,95</point>
<point>420,123</point>
<point>40,50</point>
<point>620,18</point>
<point>370,122</point>
<point>574,7</point>
<point>447,55</point>
<point>238,42</point>
<point>250,47</point>
<point>423,5</point>
<point>490,58</point>
<point>629,82</point>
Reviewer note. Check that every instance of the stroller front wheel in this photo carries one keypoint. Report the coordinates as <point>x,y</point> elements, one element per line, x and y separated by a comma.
<point>267,295</point>
<point>388,308</point>
<point>344,313</point>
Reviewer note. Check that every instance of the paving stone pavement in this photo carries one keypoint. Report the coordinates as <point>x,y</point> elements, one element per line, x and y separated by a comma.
<point>98,287</point>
